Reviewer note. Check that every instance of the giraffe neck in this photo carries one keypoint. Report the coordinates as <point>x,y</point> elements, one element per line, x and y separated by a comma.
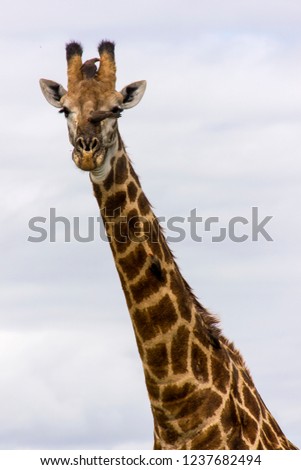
<point>200,391</point>
<point>158,298</point>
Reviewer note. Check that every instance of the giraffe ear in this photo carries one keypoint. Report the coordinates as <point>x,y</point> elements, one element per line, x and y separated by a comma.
<point>132,94</point>
<point>52,91</point>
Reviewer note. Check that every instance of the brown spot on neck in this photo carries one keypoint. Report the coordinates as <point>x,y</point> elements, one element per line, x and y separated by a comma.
<point>157,360</point>
<point>132,191</point>
<point>143,204</point>
<point>121,170</point>
<point>115,204</point>
<point>179,350</point>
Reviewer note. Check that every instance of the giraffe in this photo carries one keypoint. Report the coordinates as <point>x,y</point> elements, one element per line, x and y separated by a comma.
<point>201,393</point>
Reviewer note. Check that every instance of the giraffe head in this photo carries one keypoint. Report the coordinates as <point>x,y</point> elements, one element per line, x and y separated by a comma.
<point>91,105</point>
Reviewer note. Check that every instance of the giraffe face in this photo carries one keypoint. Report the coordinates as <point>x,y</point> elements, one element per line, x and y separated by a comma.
<point>92,123</point>
<point>91,105</point>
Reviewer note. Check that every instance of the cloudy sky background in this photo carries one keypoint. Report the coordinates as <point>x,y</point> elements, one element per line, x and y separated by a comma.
<point>219,130</point>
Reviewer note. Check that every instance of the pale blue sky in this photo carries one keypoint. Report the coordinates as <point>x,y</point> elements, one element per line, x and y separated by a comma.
<point>217,130</point>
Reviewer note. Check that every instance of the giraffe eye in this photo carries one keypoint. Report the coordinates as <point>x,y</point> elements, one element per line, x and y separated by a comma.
<point>65,111</point>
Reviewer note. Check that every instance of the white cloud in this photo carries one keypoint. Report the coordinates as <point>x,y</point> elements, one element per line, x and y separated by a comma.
<point>55,379</point>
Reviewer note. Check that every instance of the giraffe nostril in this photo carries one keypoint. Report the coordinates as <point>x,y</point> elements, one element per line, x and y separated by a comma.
<point>94,144</point>
<point>80,144</point>
<point>87,144</point>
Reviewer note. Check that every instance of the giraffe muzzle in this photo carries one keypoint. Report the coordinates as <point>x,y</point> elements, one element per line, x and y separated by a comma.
<point>87,153</point>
